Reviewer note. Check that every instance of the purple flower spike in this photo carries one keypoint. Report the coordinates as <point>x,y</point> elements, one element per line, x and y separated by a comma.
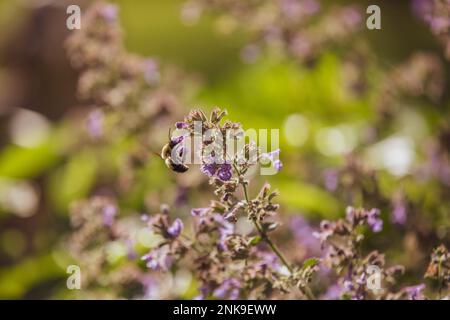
<point>374,221</point>
<point>175,229</point>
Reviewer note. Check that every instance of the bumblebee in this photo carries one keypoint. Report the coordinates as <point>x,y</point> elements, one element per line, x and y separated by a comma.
<point>166,155</point>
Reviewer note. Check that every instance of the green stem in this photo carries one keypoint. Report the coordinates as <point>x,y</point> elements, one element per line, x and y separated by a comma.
<point>307,291</point>
<point>309,294</point>
<point>272,245</point>
<point>261,231</point>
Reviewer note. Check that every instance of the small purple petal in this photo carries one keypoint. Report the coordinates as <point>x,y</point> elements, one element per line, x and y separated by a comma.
<point>181,125</point>
<point>277,164</point>
<point>209,169</point>
<point>415,292</point>
<point>374,221</point>
<point>198,212</point>
<point>225,172</point>
<point>175,229</point>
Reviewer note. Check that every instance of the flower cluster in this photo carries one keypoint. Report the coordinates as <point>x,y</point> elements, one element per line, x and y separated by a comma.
<point>220,250</point>
<point>299,27</point>
<point>171,247</point>
<point>342,240</point>
<point>420,76</point>
<point>95,222</point>
<point>436,13</point>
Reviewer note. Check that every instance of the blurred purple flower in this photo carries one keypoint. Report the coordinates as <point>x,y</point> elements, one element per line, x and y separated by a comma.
<point>334,292</point>
<point>398,214</point>
<point>304,234</point>
<point>228,289</point>
<point>422,8</point>
<point>109,214</point>
<point>110,12</point>
<point>199,212</point>
<point>151,71</point>
<point>181,197</point>
<point>175,229</point>
<point>374,221</point>
<point>331,179</point>
<point>95,123</point>
<point>415,292</point>
<point>158,259</point>
<point>131,253</point>
<point>351,16</point>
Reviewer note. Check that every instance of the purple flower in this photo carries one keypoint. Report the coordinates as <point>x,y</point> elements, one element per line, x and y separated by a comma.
<point>158,259</point>
<point>110,12</point>
<point>398,215</point>
<point>181,125</point>
<point>334,292</point>
<point>331,179</point>
<point>311,6</point>
<point>199,212</point>
<point>277,164</point>
<point>374,221</point>
<point>351,16</point>
<point>422,8</point>
<point>95,123</point>
<point>209,169</point>
<point>415,292</point>
<point>229,288</point>
<point>175,229</point>
<point>151,72</point>
<point>131,253</point>
<point>225,172</point>
<point>273,157</point>
<point>304,234</point>
<point>109,214</point>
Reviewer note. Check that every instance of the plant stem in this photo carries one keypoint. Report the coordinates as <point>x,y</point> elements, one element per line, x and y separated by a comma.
<point>307,291</point>
<point>272,245</point>
<point>261,232</point>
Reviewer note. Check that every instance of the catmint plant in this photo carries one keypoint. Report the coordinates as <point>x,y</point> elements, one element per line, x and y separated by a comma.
<point>233,265</point>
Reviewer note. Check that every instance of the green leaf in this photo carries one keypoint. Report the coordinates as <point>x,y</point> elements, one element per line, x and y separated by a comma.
<point>254,240</point>
<point>311,262</point>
